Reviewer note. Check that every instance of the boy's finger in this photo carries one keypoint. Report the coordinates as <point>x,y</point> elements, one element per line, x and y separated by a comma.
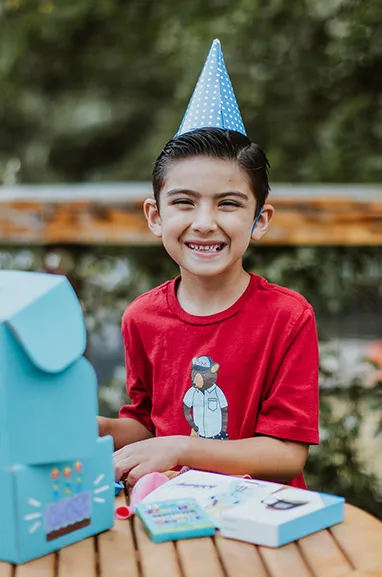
<point>136,473</point>
<point>124,466</point>
<point>123,454</point>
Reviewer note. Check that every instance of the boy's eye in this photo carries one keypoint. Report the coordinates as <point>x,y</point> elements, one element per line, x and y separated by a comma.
<point>229,203</point>
<point>185,201</point>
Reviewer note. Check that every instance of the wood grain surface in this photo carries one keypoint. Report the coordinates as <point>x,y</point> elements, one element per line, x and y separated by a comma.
<point>351,549</point>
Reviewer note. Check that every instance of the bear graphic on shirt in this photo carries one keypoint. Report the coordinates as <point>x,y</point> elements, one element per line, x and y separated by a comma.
<point>205,406</point>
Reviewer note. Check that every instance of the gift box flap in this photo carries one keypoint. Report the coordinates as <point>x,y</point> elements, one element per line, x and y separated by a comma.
<point>44,315</point>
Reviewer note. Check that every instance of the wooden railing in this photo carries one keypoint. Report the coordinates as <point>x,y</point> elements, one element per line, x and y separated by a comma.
<point>111,214</point>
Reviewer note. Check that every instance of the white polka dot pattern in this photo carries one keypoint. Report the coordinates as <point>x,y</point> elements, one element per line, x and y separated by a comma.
<point>213,102</point>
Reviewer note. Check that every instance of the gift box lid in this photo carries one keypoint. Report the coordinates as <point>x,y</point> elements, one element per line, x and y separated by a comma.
<point>44,315</point>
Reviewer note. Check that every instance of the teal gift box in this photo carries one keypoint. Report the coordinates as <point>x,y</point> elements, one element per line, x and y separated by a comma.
<point>56,474</point>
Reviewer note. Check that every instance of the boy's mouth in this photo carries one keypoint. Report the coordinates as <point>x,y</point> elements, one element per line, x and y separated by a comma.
<point>206,247</point>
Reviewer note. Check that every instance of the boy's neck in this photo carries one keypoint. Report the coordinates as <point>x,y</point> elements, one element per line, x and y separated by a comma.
<point>208,296</point>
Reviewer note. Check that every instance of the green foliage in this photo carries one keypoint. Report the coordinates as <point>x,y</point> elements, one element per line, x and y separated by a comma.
<point>336,280</point>
<point>336,465</point>
<point>92,90</point>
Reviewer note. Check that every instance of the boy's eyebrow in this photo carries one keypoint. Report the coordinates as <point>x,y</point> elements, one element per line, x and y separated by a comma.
<point>196,194</point>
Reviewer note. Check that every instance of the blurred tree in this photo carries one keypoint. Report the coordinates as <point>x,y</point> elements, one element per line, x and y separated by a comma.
<point>92,90</point>
<point>82,84</point>
<point>337,465</point>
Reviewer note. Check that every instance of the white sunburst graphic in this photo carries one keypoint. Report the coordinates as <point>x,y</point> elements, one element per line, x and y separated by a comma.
<point>99,490</point>
<point>33,519</point>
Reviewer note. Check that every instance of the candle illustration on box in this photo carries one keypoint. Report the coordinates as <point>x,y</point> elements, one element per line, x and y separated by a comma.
<point>68,481</point>
<point>56,474</point>
<point>78,471</point>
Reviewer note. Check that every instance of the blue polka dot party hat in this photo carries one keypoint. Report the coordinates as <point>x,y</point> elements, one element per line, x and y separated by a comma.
<point>213,103</point>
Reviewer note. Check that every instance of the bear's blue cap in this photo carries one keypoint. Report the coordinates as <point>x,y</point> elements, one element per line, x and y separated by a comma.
<point>203,363</point>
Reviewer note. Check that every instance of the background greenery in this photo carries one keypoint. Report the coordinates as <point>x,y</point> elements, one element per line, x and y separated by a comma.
<point>90,91</point>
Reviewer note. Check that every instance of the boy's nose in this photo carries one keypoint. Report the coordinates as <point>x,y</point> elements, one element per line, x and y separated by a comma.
<point>204,221</point>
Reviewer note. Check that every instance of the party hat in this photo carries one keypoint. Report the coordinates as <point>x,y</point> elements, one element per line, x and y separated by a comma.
<point>213,103</point>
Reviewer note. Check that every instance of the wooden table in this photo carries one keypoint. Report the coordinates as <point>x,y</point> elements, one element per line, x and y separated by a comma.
<point>353,548</point>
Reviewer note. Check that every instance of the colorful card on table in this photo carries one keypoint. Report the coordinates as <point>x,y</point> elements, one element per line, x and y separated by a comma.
<point>174,519</point>
<point>260,512</point>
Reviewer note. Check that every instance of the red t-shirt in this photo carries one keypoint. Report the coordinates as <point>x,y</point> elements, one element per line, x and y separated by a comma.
<point>250,369</point>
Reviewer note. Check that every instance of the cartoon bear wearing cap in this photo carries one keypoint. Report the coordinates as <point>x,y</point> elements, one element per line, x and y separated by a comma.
<point>204,404</point>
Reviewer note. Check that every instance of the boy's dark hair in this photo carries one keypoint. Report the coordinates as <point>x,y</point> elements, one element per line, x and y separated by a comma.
<point>216,143</point>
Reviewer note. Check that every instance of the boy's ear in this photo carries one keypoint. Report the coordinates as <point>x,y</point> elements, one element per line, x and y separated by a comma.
<point>151,210</point>
<point>262,224</point>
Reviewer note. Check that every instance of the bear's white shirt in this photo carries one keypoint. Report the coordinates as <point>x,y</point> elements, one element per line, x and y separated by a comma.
<point>207,409</point>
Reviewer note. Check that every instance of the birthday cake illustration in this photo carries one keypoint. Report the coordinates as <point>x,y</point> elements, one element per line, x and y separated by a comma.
<point>69,513</point>
<point>56,474</point>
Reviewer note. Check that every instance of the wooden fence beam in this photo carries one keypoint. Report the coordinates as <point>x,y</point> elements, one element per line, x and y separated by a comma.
<point>111,214</point>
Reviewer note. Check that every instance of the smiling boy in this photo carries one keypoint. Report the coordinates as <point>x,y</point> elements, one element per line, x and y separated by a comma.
<point>222,366</point>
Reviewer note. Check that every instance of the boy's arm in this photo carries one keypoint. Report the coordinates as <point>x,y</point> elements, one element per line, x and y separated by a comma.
<point>123,431</point>
<point>261,457</point>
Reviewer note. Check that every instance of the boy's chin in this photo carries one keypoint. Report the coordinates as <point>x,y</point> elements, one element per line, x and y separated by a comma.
<point>206,272</point>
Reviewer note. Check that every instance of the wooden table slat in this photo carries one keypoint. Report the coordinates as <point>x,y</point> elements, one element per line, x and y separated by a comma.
<point>199,557</point>
<point>324,556</point>
<point>116,550</point>
<point>156,559</point>
<point>43,567</point>
<point>78,560</point>
<point>240,559</point>
<point>350,549</point>
<point>360,537</point>
<point>6,569</point>
<point>285,561</point>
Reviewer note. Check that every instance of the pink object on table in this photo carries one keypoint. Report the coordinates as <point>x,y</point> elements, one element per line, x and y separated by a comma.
<point>141,489</point>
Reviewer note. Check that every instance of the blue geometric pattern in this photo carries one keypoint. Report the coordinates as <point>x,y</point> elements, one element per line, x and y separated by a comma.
<point>213,102</point>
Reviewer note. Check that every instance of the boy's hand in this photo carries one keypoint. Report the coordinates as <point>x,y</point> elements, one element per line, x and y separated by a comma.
<point>157,454</point>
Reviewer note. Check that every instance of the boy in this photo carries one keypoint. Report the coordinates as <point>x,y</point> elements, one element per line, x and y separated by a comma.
<point>216,354</point>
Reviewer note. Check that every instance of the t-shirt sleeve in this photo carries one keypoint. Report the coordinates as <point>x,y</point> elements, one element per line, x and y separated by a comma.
<point>137,389</point>
<point>290,405</point>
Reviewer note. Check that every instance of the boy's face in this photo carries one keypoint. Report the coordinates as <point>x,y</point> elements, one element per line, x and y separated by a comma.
<point>207,209</point>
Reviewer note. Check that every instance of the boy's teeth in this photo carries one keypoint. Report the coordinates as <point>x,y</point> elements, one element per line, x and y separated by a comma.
<point>206,248</point>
